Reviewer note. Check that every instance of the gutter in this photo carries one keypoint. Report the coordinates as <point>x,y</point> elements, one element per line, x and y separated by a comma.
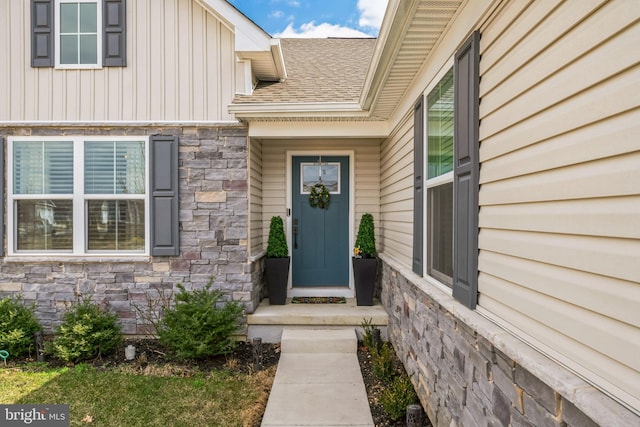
<point>285,109</point>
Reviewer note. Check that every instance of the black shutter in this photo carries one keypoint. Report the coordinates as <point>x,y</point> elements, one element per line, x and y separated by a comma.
<point>114,37</point>
<point>165,215</point>
<point>42,33</point>
<point>1,196</point>
<point>418,188</point>
<point>466,171</point>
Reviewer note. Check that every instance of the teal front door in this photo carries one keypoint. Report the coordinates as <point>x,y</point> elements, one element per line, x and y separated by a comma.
<point>320,236</point>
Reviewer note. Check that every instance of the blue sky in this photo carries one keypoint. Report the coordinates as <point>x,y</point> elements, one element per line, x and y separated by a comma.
<point>315,18</point>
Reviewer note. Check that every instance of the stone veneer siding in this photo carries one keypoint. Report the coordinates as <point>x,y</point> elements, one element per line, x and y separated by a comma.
<point>469,372</point>
<point>213,236</point>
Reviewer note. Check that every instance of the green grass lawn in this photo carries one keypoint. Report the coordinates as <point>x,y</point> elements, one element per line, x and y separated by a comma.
<point>119,397</point>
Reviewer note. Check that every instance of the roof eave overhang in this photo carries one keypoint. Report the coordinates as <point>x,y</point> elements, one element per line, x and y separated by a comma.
<point>251,41</point>
<point>302,110</point>
<point>392,31</point>
<point>310,128</point>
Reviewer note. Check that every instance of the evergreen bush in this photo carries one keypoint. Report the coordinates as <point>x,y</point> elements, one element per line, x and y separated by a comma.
<point>277,243</point>
<point>18,324</point>
<point>199,324</point>
<point>383,362</point>
<point>87,331</point>
<point>368,328</point>
<point>366,238</point>
<point>398,396</point>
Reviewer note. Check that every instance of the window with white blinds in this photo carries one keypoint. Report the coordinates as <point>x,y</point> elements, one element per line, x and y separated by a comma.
<point>114,167</point>
<point>43,167</point>
<point>78,196</point>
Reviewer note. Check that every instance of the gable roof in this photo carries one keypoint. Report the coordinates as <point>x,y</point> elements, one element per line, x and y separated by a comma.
<point>318,70</point>
<point>251,41</point>
<point>325,74</point>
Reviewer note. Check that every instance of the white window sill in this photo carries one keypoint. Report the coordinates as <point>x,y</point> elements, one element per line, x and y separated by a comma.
<point>78,67</point>
<point>76,259</point>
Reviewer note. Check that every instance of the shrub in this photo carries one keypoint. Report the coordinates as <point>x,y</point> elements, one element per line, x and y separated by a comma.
<point>366,238</point>
<point>199,325</point>
<point>87,331</point>
<point>398,396</point>
<point>277,243</point>
<point>368,328</point>
<point>18,324</point>
<point>383,363</point>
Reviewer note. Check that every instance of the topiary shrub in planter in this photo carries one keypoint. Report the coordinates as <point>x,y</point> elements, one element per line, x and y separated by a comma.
<point>18,324</point>
<point>276,264</point>
<point>87,331</point>
<point>365,262</point>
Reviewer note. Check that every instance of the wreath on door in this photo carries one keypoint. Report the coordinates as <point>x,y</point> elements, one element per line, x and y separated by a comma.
<point>319,196</point>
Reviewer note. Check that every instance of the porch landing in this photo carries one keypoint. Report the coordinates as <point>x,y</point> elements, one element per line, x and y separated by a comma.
<point>268,321</point>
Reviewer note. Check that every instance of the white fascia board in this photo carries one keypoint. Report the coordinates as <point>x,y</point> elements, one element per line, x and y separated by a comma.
<point>394,26</point>
<point>319,129</point>
<point>352,109</point>
<point>278,58</point>
<point>249,36</point>
<point>117,123</point>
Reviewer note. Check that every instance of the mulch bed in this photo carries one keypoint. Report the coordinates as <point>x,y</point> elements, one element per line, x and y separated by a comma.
<point>375,387</point>
<point>150,351</point>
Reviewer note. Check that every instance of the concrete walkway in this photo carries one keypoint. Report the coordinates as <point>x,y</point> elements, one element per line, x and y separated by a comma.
<point>318,381</point>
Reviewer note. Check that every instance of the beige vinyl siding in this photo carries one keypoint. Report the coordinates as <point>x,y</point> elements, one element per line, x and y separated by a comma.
<point>255,198</point>
<point>396,192</point>
<point>180,62</point>
<point>274,175</point>
<point>560,183</point>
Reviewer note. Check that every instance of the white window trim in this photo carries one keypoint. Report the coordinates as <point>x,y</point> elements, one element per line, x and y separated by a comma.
<point>432,182</point>
<point>57,36</point>
<point>79,198</point>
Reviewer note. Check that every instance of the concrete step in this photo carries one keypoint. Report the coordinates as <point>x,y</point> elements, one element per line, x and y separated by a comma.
<point>319,341</point>
<point>268,321</point>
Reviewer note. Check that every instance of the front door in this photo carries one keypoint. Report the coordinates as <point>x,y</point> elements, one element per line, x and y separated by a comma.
<point>320,236</point>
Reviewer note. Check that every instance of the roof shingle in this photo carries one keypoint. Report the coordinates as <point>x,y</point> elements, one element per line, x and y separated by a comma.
<point>319,70</point>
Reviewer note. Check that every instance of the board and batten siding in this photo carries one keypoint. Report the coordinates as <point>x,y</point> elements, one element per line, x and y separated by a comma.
<point>396,192</point>
<point>180,67</point>
<point>274,177</point>
<point>560,183</point>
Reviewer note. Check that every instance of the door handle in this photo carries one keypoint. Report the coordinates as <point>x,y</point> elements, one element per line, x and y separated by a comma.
<point>295,233</point>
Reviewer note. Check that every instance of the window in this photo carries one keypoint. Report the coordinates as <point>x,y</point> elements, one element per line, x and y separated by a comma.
<point>325,173</point>
<point>78,33</point>
<point>78,196</point>
<point>439,183</point>
<point>450,114</point>
<point>78,30</point>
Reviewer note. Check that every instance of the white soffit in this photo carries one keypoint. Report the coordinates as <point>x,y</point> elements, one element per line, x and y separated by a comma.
<point>405,45</point>
<point>251,41</point>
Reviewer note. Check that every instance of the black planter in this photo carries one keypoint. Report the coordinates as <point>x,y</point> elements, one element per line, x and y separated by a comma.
<point>276,272</point>
<point>364,274</point>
